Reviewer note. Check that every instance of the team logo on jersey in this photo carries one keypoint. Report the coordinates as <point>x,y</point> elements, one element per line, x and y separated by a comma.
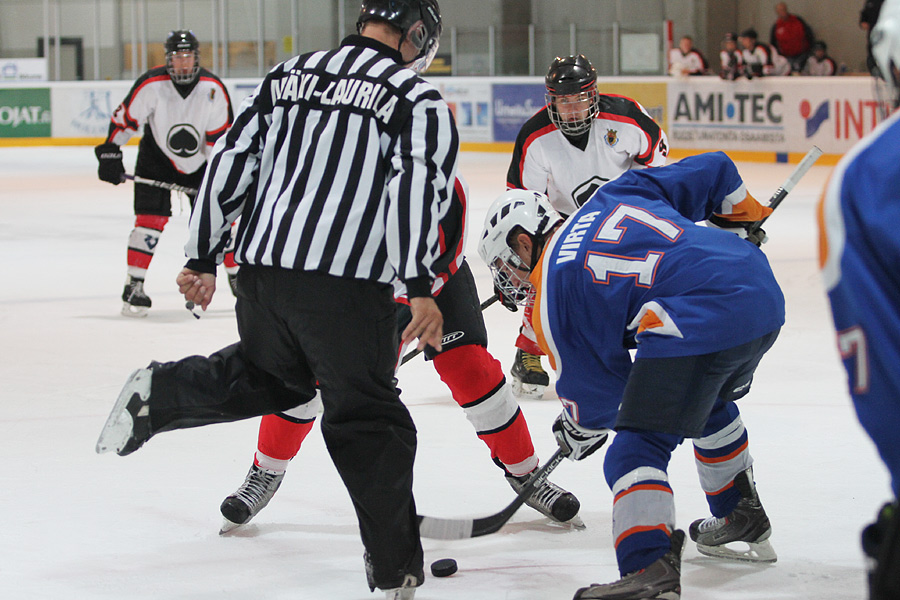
<point>584,191</point>
<point>212,94</point>
<point>612,137</point>
<point>183,140</point>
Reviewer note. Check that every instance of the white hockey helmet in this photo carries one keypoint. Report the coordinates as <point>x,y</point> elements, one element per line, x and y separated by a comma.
<point>885,43</point>
<point>513,212</point>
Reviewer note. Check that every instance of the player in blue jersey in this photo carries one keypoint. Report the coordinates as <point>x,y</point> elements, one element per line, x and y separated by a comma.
<point>632,269</point>
<point>860,252</point>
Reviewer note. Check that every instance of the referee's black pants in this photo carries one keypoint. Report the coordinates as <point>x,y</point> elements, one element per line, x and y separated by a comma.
<point>298,328</point>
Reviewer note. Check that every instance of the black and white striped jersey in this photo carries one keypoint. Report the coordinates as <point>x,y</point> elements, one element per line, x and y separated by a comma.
<point>341,161</point>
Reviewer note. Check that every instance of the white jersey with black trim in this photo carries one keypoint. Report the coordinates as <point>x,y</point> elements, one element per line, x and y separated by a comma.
<point>622,137</point>
<point>184,127</point>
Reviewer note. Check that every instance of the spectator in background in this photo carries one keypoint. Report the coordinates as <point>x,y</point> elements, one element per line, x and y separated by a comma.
<point>687,60</point>
<point>761,59</point>
<point>792,37</point>
<point>731,58</point>
<point>867,17</point>
<point>819,64</point>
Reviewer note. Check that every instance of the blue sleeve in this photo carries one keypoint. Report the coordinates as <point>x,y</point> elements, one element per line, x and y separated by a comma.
<point>695,186</point>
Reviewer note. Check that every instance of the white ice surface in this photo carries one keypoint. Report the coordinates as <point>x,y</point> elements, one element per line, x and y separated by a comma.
<point>82,526</point>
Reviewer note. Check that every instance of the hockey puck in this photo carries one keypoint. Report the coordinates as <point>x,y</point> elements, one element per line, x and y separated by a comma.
<point>444,567</point>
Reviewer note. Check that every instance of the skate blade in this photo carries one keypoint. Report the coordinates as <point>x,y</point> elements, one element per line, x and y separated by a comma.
<point>136,312</point>
<point>574,523</point>
<point>755,552</point>
<point>527,391</point>
<point>229,526</point>
<point>117,429</point>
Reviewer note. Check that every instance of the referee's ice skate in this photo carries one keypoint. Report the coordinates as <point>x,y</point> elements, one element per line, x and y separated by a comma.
<point>743,534</point>
<point>128,424</point>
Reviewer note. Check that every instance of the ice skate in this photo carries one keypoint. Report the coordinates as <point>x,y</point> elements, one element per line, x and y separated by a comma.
<point>550,500</point>
<point>128,425</point>
<point>405,592</point>
<point>254,494</point>
<point>135,303</point>
<point>661,580</point>
<point>529,379</point>
<point>743,534</point>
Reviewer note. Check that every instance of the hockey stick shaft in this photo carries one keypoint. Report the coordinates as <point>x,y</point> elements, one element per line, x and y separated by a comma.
<point>461,529</point>
<point>781,193</point>
<point>161,184</point>
<point>414,353</point>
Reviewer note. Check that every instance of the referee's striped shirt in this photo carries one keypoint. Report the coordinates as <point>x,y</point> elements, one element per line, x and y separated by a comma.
<point>341,162</point>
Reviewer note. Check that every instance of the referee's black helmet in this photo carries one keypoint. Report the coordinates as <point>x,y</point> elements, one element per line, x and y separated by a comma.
<point>417,20</point>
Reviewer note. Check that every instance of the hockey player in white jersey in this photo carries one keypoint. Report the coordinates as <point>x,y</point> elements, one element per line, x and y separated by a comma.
<point>579,141</point>
<point>631,269</point>
<point>181,109</point>
<point>860,255</point>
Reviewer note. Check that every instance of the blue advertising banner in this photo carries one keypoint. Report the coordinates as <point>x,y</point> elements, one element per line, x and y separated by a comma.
<point>515,103</point>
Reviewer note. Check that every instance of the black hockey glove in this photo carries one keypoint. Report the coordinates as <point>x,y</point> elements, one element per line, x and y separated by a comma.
<point>576,441</point>
<point>740,228</point>
<point>506,301</point>
<point>111,168</point>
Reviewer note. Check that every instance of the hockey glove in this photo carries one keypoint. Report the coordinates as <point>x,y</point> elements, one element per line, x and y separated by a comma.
<point>739,228</point>
<point>111,168</point>
<point>576,441</point>
<point>506,301</point>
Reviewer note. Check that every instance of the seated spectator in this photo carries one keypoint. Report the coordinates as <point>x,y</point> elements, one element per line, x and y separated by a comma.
<point>791,37</point>
<point>687,60</point>
<point>731,59</point>
<point>819,64</point>
<point>761,59</point>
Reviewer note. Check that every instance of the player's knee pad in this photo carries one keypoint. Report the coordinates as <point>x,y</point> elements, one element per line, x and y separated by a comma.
<point>470,372</point>
<point>153,222</point>
<point>280,437</point>
<point>632,449</point>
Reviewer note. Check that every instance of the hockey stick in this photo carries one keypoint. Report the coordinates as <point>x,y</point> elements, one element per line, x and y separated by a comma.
<point>799,171</point>
<point>162,184</point>
<point>414,353</point>
<point>461,529</point>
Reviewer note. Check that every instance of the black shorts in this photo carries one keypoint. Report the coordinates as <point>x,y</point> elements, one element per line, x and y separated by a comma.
<point>676,395</point>
<point>460,307</point>
<point>153,164</point>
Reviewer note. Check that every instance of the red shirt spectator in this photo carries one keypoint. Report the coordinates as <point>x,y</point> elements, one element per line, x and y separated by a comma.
<point>791,36</point>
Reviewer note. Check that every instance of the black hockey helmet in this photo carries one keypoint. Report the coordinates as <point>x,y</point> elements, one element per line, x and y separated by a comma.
<point>182,41</point>
<point>571,80</point>
<point>570,75</point>
<point>418,20</point>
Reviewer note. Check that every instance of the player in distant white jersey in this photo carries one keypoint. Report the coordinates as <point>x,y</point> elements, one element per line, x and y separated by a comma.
<point>576,143</point>
<point>181,110</point>
<point>860,253</point>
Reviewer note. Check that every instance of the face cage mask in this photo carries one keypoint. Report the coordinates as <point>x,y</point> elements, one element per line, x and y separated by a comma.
<point>426,46</point>
<point>583,117</point>
<point>505,272</point>
<point>182,78</point>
